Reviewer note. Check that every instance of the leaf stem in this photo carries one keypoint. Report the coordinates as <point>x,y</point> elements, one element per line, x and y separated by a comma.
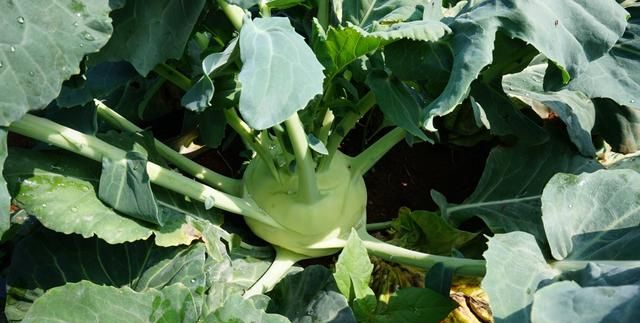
<point>379,226</point>
<point>346,124</point>
<point>323,13</point>
<point>370,156</point>
<point>305,166</point>
<point>389,252</point>
<point>251,140</point>
<point>94,148</point>
<point>284,260</point>
<point>217,181</point>
<point>174,76</point>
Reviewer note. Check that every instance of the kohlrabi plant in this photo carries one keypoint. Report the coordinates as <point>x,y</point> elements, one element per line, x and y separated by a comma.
<point>105,222</point>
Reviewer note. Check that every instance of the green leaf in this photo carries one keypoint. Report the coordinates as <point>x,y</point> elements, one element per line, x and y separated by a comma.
<point>439,279</point>
<point>316,145</point>
<point>280,73</point>
<point>45,260</point>
<point>503,117</point>
<point>593,216</point>
<point>212,127</point>
<point>399,103</point>
<point>427,232</point>
<point>102,80</point>
<point>5,197</point>
<point>199,97</point>
<point>417,305</point>
<point>238,309</point>
<point>60,190</point>
<point>310,296</point>
<point>42,46</point>
<point>507,197</point>
<point>423,30</point>
<point>543,24</point>
<point>125,186</point>
<point>85,302</point>
<point>516,268</point>
<point>568,302</point>
<point>616,75</point>
<point>353,269</point>
<point>149,33</point>
<point>574,108</point>
<point>416,60</point>
<point>341,46</point>
<point>353,273</point>
<point>364,13</point>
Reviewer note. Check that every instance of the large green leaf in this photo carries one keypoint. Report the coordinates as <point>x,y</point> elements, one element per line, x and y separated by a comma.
<point>588,217</point>
<point>280,73</point>
<point>507,197</point>
<point>567,302</point>
<point>593,216</point>
<point>149,33</point>
<point>515,270</point>
<point>617,74</point>
<point>573,108</point>
<point>544,24</point>
<point>523,287</point>
<point>46,259</point>
<point>85,302</point>
<point>310,295</point>
<point>41,46</point>
<point>60,190</point>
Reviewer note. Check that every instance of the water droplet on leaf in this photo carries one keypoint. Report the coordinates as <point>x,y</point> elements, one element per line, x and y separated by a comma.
<point>12,49</point>
<point>88,36</point>
<point>81,45</point>
<point>1,64</point>
<point>44,204</point>
<point>633,101</point>
<point>32,74</point>
<point>75,24</point>
<point>20,20</point>
<point>570,206</point>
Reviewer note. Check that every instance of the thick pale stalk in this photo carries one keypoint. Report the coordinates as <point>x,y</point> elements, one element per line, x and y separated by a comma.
<point>279,268</point>
<point>94,148</point>
<point>217,181</point>
<point>305,166</point>
<point>370,156</point>
<point>346,124</point>
<point>389,252</point>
